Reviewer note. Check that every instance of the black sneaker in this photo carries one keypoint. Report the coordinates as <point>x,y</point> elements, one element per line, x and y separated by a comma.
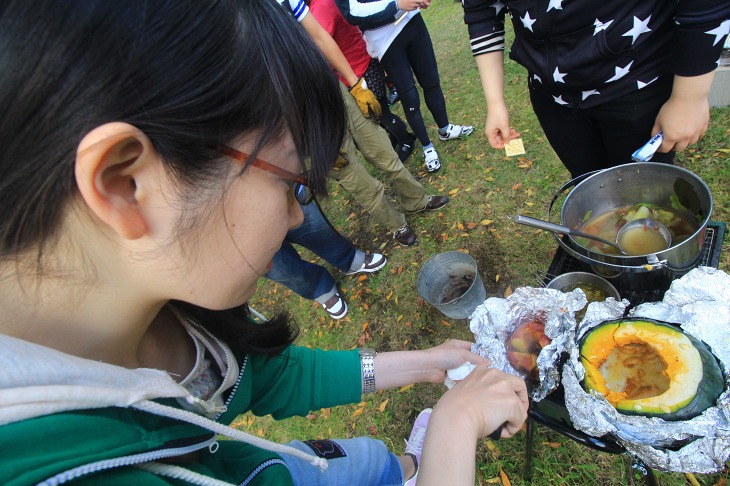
<point>405,236</point>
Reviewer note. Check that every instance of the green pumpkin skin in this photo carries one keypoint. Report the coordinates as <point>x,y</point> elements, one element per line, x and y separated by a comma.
<point>708,391</point>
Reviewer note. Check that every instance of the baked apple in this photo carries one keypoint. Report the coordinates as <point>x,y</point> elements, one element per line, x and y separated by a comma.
<point>524,345</point>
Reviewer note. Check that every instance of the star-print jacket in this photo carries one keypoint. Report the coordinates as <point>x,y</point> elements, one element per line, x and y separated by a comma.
<point>587,52</point>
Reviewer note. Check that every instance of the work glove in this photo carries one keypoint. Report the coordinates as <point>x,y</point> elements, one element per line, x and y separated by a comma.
<point>366,100</point>
<point>341,161</point>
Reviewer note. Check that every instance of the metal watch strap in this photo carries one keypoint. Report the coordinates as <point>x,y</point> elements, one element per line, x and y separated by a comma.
<point>367,362</point>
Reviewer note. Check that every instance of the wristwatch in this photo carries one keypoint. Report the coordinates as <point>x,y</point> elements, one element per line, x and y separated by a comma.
<point>367,361</point>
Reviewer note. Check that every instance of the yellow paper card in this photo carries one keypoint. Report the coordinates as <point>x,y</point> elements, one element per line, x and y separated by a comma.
<point>514,147</point>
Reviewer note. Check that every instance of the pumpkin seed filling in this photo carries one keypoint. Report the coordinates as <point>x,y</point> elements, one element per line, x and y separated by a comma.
<point>635,370</point>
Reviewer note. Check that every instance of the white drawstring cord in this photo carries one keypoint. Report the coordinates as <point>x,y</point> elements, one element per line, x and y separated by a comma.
<point>190,417</point>
<point>181,473</point>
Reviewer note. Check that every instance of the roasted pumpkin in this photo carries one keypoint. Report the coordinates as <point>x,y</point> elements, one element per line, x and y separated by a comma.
<point>650,368</point>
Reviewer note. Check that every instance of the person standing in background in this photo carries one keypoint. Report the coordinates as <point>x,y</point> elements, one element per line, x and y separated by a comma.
<point>603,77</point>
<point>396,34</point>
<point>365,135</point>
<point>351,43</point>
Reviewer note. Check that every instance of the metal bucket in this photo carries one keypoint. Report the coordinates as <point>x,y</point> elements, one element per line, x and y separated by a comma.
<point>450,282</point>
<point>629,184</point>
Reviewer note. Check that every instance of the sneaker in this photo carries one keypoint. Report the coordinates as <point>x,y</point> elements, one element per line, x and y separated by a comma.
<point>433,202</point>
<point>372,263</point>
<point>405,236</point>
<point>455,131</point>
<point>414,444</point>
<point>335,307</point>
<point>432,159</point>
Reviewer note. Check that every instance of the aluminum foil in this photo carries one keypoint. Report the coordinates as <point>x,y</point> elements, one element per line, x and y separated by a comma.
<point>700,303</point>
<point>493,322</point>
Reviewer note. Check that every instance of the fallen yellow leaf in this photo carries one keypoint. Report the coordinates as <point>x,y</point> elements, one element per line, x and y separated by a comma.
<point>486,222</point>
<point>404,388</point>
<point>382,406</point>
<point>453,192</point>
<point>445,323</point>
<point>362,277</point>
<point>504,478</point>
<point>357,412</point>
<point>508,291</point>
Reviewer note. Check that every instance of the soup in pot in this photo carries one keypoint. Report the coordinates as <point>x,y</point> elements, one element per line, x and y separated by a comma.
<point>608,224</point>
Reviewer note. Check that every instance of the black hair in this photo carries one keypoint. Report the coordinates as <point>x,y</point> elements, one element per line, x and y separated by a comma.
<point>192,75</point>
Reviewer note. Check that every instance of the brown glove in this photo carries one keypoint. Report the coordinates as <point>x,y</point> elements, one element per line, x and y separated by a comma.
<point>366,100</point>
<point>341,161</point>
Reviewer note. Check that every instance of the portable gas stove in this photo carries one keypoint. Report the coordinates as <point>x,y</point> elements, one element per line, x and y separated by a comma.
<point>551,411</point>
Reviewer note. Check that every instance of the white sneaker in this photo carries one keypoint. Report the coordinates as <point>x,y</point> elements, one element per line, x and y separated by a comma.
<point>414,444</point>
<point>371,263</point>
<point>455,131</point>
<point>432,159</point>
<point>336,307</point>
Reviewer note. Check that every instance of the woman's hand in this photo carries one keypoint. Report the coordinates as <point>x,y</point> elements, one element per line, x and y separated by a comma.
<point>451,354</point>
<point>400,368</point>
<point>473,408</point>
<point>496,128</point>
<point>485,400</point>
<point>684,118</point>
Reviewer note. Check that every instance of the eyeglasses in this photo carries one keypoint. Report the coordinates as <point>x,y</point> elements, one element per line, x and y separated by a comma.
<point>299,183</point>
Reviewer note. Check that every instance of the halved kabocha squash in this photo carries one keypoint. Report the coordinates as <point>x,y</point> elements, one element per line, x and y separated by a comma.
<point>650,368</point>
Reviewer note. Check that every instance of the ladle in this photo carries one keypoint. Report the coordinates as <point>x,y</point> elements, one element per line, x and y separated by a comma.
<point>648,223</point>
<point>563,230</point>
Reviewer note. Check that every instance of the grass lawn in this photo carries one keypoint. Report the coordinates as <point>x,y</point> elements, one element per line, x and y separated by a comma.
<point>386,312</point>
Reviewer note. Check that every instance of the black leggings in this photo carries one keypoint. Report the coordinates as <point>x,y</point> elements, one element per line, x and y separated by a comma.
<point>412,53</point>
<point>605,135</point>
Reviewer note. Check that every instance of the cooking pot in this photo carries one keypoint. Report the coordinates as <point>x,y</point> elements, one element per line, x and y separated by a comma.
<point>626,185</point>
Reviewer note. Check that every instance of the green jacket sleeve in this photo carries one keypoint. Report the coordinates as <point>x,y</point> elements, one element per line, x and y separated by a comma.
<point>302,379</point>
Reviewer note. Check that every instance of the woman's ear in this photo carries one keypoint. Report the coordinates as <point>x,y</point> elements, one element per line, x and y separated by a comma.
<point>114,163</point>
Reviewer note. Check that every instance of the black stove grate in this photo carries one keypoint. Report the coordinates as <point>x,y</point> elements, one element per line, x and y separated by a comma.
<point>563,262</point>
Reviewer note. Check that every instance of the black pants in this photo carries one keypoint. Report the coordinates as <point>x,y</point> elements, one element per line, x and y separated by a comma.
<point>412,50</point>
<point>602,136</point>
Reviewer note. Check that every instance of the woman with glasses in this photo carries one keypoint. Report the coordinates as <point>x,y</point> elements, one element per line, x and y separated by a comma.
<point>131,240</point>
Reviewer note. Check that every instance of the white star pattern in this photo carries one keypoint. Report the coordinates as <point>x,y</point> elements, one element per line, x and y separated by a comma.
<point>720,31</point>
<point>601,25</point>
<point>641,84</point>
<point>558,76</point>
<point>559,100</point>
<point>498,7</point>
<point>620,72</point>
<point>586,94</point>
<point>556,4</point>
<point>640,27</point>
<point>527,21</point>
<point>535,77</point>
